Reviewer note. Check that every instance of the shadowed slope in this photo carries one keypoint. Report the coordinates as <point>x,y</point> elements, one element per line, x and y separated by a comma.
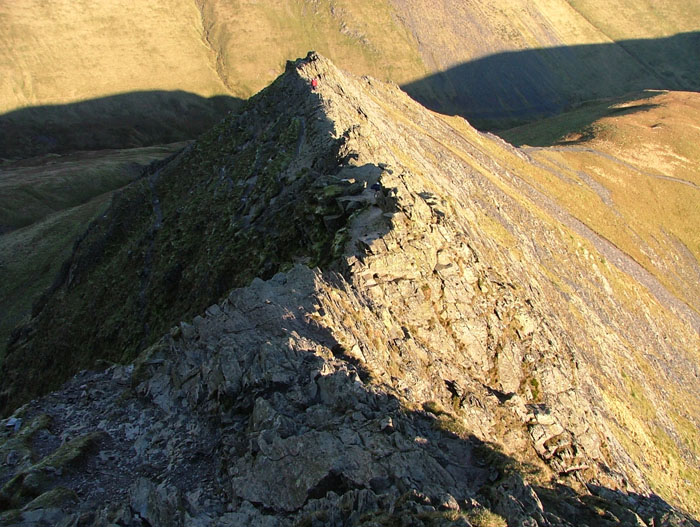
<point>118,121</point>
<point>45,204</point>
<point>506,88</point>
<point>180,237</point>
<point>456,282</point>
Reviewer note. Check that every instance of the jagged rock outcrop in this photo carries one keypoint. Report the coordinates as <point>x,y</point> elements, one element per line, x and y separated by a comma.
<point>455,359</point>
<point>251,415</point>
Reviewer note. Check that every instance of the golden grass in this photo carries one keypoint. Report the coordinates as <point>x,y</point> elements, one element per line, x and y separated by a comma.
<point>67,50</point>
<point>255,39</point>
<point>654,415</point>
<point>485,518</point>
<point>646,161</point>
<point>659,457</point>
<point>622,19</point>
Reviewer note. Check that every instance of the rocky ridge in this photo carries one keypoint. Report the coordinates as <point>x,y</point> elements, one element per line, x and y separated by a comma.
<point>455,360</point>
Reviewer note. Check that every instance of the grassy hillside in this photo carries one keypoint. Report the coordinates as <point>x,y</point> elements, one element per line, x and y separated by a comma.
<point>254,39</point>
<point>71,50</point>
<point>515,87</point>
<point>35,188</point>
<point>30,258</point>
<point>79,75</point>
<point>652,217</point>
<point>45,204</point>
<point>64,51</point>
<point>622,19</point>
<point>493,63</point>
<point>130,120</point>
<point>627,168</point>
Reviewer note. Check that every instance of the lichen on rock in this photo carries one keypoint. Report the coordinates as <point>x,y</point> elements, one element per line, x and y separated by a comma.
<point>348,314</point>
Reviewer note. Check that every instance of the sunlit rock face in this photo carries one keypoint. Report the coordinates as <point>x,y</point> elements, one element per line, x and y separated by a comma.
<point>344,309</point>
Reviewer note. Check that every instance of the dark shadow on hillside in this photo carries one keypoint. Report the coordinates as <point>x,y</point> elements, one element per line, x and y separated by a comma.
<point>176,240</point>
<point>157,258</point>
<point>411,467</point>
<point>511,88</point>
<point>117,121</point>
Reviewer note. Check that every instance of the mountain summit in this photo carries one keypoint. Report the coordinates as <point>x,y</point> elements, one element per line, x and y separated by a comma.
<point>344,309</point>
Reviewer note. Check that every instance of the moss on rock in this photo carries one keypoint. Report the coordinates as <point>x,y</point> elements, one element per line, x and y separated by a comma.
<point>247,200</point>
<point>37,480</point>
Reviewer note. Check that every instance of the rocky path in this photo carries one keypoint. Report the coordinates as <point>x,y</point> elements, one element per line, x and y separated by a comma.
<point>440,370</point>
<point>247,407</point>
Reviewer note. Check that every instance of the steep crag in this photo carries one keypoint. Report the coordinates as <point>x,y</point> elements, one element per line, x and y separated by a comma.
<point>384,327</point>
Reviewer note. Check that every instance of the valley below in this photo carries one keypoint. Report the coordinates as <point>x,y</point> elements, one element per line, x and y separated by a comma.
<point>448,275</point>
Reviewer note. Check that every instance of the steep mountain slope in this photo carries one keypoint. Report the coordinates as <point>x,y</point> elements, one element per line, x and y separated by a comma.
<point>76,75</point>
<point>254,39</point>
<point>453,305</point>
<point>521,60</point>
<point>64,51</point>
<point>628,169</point>
<point>45,204</point>
<point>131,120</point>
<point>621,20</point>
<point>494,63</point>
<point>32,189</point>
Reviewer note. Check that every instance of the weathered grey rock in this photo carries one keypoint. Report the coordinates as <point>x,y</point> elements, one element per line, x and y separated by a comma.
<point>418,377</point>
<point>158,505</point>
